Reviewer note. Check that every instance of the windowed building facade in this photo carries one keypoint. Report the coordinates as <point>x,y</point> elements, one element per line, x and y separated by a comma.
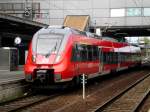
<point>102,12</point>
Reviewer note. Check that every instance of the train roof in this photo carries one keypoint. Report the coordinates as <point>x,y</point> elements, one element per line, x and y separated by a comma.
<point>128,49</point>
<point>110,39</point>
<point>67,30</point>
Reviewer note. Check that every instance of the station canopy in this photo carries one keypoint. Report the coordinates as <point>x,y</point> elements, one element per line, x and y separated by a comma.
<point>126,31</point>
<point>12,26</point>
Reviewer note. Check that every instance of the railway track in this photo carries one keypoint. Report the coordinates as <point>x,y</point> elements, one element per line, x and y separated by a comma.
<point>22,103</point>
<point>104,96</point>
<point>130,100</point>
<point>106,91</point>
<point>145,106</point>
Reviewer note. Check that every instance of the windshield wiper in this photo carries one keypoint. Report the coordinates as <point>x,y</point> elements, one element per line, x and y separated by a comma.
<point>53,49</point>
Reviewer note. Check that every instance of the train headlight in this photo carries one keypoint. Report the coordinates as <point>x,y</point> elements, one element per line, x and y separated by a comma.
<point>33,58</point>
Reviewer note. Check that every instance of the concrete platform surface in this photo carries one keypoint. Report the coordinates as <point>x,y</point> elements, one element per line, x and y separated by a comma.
<point>9,76</point>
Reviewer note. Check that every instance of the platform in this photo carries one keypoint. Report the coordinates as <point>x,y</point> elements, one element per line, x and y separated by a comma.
<point>12,85</point>
<point>9,76</point>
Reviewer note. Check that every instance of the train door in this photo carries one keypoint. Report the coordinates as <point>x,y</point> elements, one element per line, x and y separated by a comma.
<point>83,64</point>
<point>101,60</point>
<point>76,66</point>
<point>76,59</point>
<point>119,60</point>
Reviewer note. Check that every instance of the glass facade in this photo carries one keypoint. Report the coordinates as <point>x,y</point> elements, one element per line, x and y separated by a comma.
<point>53,12</point>
<point>130,12</point>
<point>146,12</point>
<point>134,11</point>
<point>117,12</point>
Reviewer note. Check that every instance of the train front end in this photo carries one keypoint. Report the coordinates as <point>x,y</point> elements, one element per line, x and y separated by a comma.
<point>45,54</point>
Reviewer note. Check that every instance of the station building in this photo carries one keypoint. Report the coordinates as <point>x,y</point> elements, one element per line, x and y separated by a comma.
<point>102,12</point>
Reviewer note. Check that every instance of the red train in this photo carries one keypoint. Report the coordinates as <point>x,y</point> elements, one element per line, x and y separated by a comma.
<point>63,54</point>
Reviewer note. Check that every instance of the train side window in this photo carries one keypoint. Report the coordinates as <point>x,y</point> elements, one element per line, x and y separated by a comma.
<point>83,52</point>
<point>120,57</point>
<point>113,58</point>
<point>90,53</point>
<point>95,53</point>
<point>73,58</point>
<point>75,53</point>
<point>116,57</point>
<point>107,58</point>
<point>110,58</point>
<point>104,57</point>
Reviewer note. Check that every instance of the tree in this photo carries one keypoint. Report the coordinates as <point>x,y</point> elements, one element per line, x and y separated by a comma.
<point>145,40</point>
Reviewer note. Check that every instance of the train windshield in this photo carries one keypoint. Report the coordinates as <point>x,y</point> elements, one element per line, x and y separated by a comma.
<point>47,44</point>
